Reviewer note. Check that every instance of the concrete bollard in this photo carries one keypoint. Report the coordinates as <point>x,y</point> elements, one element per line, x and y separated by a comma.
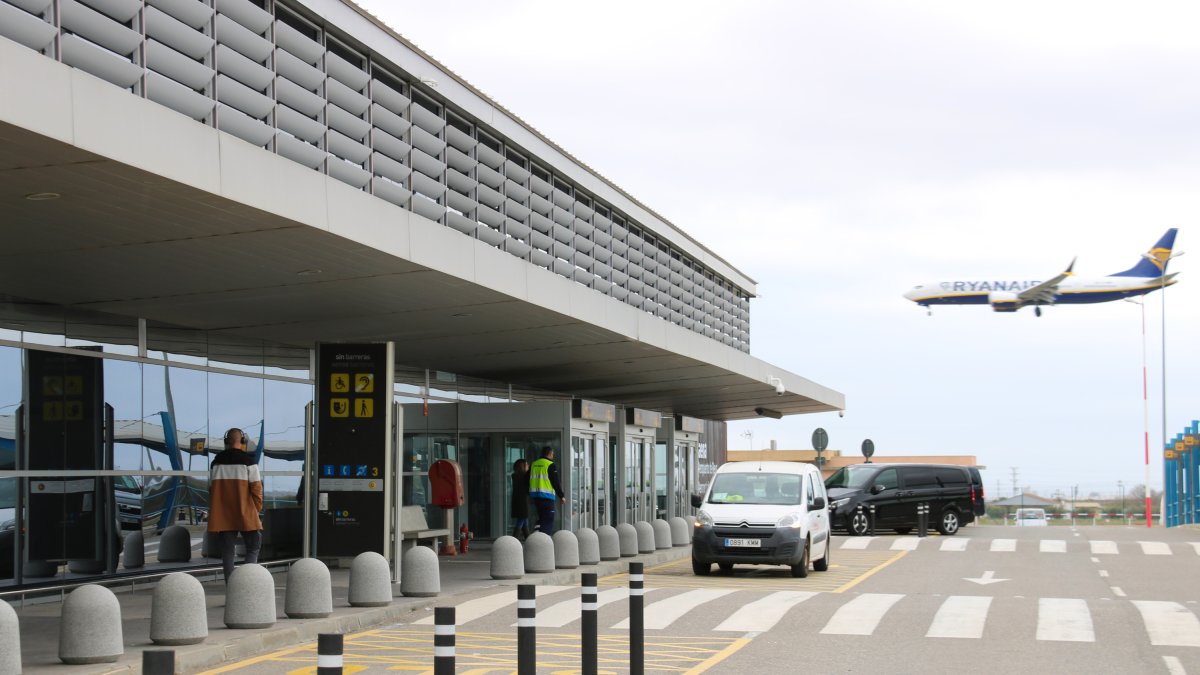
<point>662,533</point>
<point>691,522</point>
<point>610,542</point>
<point>250,598</point>
<point>211,546</point>
<point>508,558</point>
<point>680,534</point>
<point>419,573</point>
<point>10,639</point>
<point>90,628</point>
<point>85,566</point>
<point>134,556</point>
<point>566,550</point>
<point>589,546</point>
<point>370,580</point>
<point>629,539</point>
<point>178,614</point>
<point>309,591</point>
<point>539,553</point>
<point>175,545</point>
<point>645,536</point>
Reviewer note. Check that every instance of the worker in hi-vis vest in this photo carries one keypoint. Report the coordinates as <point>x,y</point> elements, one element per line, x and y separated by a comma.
<point>545,488</point>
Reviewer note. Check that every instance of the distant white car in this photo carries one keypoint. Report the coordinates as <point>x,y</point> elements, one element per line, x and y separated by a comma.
<point>1031,517</point>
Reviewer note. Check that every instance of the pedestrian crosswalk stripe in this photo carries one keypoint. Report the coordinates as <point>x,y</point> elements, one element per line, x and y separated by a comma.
<point>906,544</point>
<point>557,616</point>
<point>861,615</point>
<point>762,614</point>
<point>960,616</point>
<point>1174,665</point>
<point>1196,545</point>
<point>663,613</point>
<point>1155,547</point>
<point>857,542</point>
<point>955,544</point>
<point>1053,546</point>
<point>1004,545</point>
<point>1064,620</point>
<point>481,607</point>
<point>1104,547</point>
<point>1169,624</point>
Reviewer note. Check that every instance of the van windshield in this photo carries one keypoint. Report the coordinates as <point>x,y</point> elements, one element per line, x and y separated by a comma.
<point>850,477</point>
<point>756,488</point>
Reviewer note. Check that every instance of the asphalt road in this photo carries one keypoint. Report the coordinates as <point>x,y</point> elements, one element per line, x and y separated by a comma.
<point>988,600</point>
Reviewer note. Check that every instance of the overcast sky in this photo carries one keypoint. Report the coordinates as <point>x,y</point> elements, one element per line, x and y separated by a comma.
<point>841,152</point>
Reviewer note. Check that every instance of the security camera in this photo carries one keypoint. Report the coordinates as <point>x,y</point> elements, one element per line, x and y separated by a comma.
<point>841,413</point>
<point>778,384</point>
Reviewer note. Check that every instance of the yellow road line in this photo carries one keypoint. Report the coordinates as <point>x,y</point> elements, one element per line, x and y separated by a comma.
<point>275,655</point>
<point>719,656</point>
<point>851,584</point>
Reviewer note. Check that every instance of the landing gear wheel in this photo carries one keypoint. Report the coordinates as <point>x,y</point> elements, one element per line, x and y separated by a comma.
<point>858,524</point>
<point>822,564</point>
<point>1037,311</point>
<point>701,569</point>
<point>726,568</point>
<point>948,524</point>
<point>800,570</point>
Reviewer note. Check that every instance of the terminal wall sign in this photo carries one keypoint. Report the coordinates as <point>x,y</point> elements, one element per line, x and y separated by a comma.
<point>353,448</point>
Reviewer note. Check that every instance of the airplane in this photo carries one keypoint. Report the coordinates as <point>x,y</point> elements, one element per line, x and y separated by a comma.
<point>1149,274</point>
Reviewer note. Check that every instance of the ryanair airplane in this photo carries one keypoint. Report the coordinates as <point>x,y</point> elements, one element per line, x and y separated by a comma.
<point>1149,274</point>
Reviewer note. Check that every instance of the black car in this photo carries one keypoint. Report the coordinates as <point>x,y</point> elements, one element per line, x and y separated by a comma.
<point>896,490</point>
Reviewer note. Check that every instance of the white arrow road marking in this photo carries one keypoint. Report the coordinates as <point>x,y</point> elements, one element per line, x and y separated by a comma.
<point>985,579</point>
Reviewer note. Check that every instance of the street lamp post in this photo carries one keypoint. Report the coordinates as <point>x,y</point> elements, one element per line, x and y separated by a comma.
<point>1161,260</point>
<point>1121,488</point>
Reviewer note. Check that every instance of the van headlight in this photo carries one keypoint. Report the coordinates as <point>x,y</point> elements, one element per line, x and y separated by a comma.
<point>839,503</point>
<point>792,520</point>
<point>703,519</point>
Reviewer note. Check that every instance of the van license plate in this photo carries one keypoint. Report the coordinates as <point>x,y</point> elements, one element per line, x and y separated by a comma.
<point>743,543</point>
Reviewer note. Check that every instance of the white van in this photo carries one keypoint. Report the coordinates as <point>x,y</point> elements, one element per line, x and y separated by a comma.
<point>762,513</point>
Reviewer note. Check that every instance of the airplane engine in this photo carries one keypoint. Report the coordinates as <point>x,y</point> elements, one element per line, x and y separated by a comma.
<point>1003,301</point>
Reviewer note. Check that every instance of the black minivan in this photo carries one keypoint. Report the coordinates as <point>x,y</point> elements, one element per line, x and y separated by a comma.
<point>895,490</point>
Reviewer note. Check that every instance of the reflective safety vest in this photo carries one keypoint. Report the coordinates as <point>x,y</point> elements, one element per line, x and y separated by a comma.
<point>540,486</point>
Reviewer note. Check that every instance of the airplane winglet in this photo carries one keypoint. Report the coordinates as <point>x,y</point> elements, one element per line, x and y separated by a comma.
<point>1071,267</point>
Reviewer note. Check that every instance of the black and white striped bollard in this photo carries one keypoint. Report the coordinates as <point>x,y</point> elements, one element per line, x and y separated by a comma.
<point>526,629</point>
<point>329,654</point>
<point>637,619</point>
<point>590,640</point>
<point>871,522</point>
<point>443,641</point>
<point>922,519</point>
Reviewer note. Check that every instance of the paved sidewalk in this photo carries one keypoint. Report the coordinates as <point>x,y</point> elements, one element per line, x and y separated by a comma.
<point>459,574</point>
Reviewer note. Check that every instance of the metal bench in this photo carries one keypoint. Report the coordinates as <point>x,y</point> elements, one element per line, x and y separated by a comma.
<point>414,528</point>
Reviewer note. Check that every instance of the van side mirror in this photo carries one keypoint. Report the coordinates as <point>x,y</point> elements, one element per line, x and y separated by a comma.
<point>877,488</point>
<point>818,503</point>
<point>697,500</point>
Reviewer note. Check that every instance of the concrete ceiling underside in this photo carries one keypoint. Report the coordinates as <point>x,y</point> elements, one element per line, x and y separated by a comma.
<point>125,242</point>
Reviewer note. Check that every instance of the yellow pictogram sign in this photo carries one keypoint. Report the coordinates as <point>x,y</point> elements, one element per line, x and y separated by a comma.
<point>73,411</point>
<point>52,385</point>
<point>339,382</point>
<point>52,411</point>
<point>339,407</point>
<point>364,383</point>
<point>73,385</point>
<point>364,407</point>
<point>1169,454</point>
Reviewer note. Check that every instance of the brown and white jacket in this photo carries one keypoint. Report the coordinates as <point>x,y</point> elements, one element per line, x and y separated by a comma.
<point>235,493</point>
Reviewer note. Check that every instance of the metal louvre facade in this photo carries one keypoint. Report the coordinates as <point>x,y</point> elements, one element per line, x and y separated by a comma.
<point>278,77</point>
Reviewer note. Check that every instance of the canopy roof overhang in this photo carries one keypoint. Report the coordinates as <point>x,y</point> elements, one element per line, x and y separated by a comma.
<point>161,218</point>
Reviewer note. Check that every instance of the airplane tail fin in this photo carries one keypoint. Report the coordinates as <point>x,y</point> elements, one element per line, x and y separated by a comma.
<point>1153,263</point>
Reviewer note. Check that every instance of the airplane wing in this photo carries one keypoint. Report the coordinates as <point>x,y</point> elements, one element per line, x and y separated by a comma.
<point>1043,293</point>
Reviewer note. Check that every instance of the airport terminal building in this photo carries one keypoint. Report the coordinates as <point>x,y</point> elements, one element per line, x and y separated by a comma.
<point>210,206</point>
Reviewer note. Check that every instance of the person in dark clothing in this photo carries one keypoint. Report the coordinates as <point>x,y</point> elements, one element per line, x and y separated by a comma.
<point>545,488</point>
<point>520,499</point>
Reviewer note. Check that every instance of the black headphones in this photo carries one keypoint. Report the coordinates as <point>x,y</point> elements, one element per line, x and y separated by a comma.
<point>229,436</point>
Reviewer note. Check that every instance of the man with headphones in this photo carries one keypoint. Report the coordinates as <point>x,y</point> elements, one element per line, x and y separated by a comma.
<point>235,500</point>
